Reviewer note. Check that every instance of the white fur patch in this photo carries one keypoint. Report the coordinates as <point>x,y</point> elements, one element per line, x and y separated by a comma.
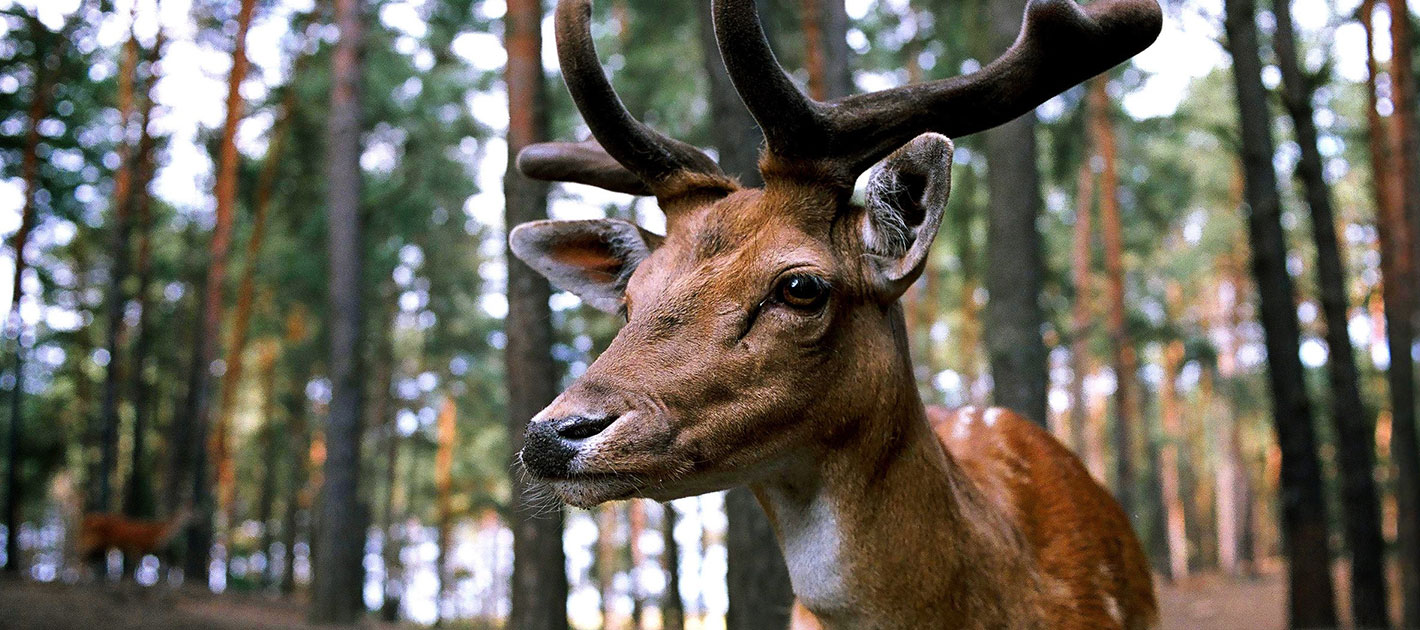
<point>812,547</point>
<point>1111,606</point>
<point>960,430</point>
<point>992,415</point>
<point>885,231</point>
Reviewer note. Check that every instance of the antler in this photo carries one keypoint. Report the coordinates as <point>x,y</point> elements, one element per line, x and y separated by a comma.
<point>631,156</point>
<point>1061,44</point>
<point>581,162</point>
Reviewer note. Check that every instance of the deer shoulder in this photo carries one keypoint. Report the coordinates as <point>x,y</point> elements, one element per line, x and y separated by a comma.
<point>1084,546</point>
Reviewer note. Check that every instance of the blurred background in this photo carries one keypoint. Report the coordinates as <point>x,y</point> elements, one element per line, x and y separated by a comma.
<point>255,368</point>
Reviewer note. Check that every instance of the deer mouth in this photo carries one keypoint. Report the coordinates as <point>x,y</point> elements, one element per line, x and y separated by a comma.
<point>590,490</point>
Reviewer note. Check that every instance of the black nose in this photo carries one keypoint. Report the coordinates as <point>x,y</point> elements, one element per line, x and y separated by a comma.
<point>550,446</point>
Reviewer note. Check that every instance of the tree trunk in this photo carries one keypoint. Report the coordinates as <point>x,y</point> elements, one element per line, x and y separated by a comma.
<point>825,30</point>
<point>1407,139</point>
<point>1355,430</point>
<point>672,607</point>
<point>1231,500</point>
<point>444,501</point>
<point>1171,417</point>
<point>1225,473</point>
<point>635,529</point>
<point>116,300</point>
<point>1082,315</point>
<point>757,580</point>
<point>539,572</point>
<point>738,138</point>
<point>1015,267</point>
<point>1397,286</point>
<point>606,560</point>
<point>138,494</point>
<point>267,495</point>
<point>340,544</point>
<point>297,459</point>
<point>199,539</point>
<point>241,315</point>
<point>393,500</point>
<point>1126,406</point>
<point>967,344</point>
<point>760,595</point>
<point>45,78</point>
<point>1311,598</point>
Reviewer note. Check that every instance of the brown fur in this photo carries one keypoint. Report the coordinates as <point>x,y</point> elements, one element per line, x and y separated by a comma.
<point>1002,528</point>
<point>100,532</point>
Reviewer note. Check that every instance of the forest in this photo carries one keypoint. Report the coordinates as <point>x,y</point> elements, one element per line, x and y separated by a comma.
<point>268,359</point>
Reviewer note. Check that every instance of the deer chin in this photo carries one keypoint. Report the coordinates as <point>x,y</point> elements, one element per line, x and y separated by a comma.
<point>591,492</point>
<point>587,486</point>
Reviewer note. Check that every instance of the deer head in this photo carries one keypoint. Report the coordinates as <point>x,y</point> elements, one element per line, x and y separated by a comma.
<point>764,324</point>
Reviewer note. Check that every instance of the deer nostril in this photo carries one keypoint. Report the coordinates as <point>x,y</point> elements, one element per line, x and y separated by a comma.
<point>583,427</point>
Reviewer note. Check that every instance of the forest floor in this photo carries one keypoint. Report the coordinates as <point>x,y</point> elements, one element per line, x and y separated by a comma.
<point>1201,603</point>
<point>35,606</point>
<point>1211,602</point>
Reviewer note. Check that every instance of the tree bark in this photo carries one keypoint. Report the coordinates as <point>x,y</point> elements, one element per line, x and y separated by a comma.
<point>1407,138</point>
<point>116,300</point>
<point>1126,405</point>
<point>444,502</point>
<point>266,498</point>
<point>1232,500</point>
<point>340,541</point>
<point>297,459</point>
<point>761,597</point>
<point>1355,430</point>
<point>539,572</point>
<point>138,494</point>
<point>825,29</point>
<point>1171,419</point>
<point>1398,279</point>
<point>606,560</point>
<point>738,138</point>
<point>1082,315</point>
<point>393,500</point>
<point>1015,266</point>
<point>672,607</point>
<point>1311,597</point>
<point>199,539</point>
<point>635,529</point>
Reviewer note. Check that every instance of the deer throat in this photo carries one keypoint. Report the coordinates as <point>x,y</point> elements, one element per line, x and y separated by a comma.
<point>899,518</point>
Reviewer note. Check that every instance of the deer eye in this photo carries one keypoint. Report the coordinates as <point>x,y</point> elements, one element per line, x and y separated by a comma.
<point>802,291</point>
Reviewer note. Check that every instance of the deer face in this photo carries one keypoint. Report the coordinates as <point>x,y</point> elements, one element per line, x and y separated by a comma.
<point>753,330</point>
<point>764,321</point>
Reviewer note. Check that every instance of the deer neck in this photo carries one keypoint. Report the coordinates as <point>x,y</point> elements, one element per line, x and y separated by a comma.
<point>885,530</point>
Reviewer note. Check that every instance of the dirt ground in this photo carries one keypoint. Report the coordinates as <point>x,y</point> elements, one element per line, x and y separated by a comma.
<point>1215,603</point>
<point>33,606</point>
<point>1203,603</point>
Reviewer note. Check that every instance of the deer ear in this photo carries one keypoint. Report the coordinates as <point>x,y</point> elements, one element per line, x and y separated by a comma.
<point>593,259</point>
<point>906,196</point>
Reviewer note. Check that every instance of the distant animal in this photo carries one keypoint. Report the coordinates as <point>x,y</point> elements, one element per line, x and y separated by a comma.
<point>101,531</point>
<point>765,345</point>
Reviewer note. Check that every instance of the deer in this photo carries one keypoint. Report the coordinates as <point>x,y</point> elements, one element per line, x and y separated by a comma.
<point>134,538</point>
<point>764,344</point>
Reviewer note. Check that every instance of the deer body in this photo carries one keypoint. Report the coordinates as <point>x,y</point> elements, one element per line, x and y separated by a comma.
<point>764,344</point>
<point>984,522</point>
<point>101,531</point>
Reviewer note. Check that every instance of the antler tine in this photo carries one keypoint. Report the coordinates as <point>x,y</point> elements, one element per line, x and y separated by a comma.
<point>581,162</point>
<point>1061,44</point>
<point>651,156</point>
